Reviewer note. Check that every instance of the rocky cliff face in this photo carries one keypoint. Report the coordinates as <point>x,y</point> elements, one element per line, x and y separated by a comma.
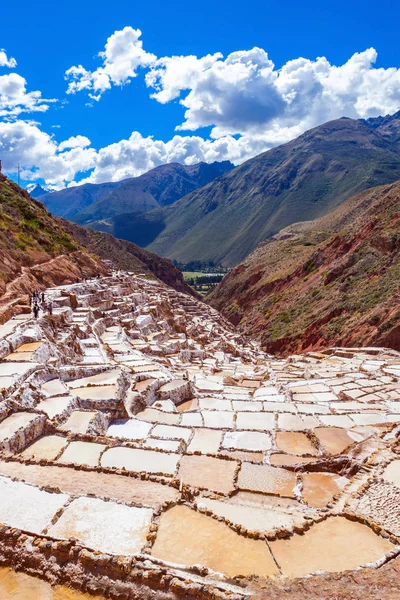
<point>333,281</point>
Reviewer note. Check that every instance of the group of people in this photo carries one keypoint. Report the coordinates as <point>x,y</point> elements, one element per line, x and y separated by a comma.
<point>38,302</point>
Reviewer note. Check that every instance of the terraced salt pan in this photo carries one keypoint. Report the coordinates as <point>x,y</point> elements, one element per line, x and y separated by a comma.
<point>159,416</point>
<point>188,405</point>
<point>335,440</point>
<point>294,443</point>
<point>48,446</point>
<point>333,545</point>
<point>136,459</point>
<point>19,586</point>
<point>96,392</point>
<point>105,378</point>
<point>26,507</point>
<point>247,440</point>
<point>288,460</point>
<point>55,405</point>
<point>170,431</point>
<point>251,517</point>
<point>18,356</point>
<point>296,423</point>
<point>320,488</point>
<point>206,441</point>
<point>260,421</point>
<point>169,445</point>
<point>12,423</point>
<point>266,479</point>
<point>78,421</point>
<point>54,387</point>
<point>130,429</point>
<point>215,404</point>
<point>217,419</point>
<point>207,472</point>
<point>74,482</point>
<point>30,347</point>
<point>104,526</point>
<point>82,453</point>
<point>187,537</point>
<point>392,472</point>
<point>16,369</point>
<point>192,420</point>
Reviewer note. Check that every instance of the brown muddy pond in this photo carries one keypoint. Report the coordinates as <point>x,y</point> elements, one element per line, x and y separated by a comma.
<point>333,545</point>
<point>320,488</point>
<point>294,442</point>
<point>187,537</point>
<point>19,586</point>
<point>335,439</point>
<point>207,472</point>
<point>188,405</point>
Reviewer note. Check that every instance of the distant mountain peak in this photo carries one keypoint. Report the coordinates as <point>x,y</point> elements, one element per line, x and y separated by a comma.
<point>161,186</point>
<point>35,190</point>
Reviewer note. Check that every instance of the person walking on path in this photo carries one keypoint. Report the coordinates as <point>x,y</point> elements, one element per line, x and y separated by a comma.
<point>36,310</point>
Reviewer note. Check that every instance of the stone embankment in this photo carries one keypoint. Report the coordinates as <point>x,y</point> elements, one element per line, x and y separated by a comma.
<point>149,451</point>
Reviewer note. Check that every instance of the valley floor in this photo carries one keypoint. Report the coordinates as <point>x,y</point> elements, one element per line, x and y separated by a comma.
<point>149,451</point>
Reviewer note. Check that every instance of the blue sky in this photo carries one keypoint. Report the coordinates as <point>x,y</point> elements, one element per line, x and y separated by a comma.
<point>239,106</point>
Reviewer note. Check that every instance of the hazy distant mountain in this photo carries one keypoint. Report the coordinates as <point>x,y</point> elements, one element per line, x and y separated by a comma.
<point>161,186</point>
<point>302,180</point>
<point>35,190</point>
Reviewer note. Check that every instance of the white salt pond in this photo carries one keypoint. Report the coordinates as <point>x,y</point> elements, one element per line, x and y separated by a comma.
<point>48,447</point>
<point>82,453</point>
<point>136,459</point>
<point>392,472</point>
<point>26,507</point>
<point>96,392</point>
<point>12,423</point>
<point>55,405</point>
<point>104,526</point>
<point>78,421</point>
<point>130,429</point>
<point>105,378</point>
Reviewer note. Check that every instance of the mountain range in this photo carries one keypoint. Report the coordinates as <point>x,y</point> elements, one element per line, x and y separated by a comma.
<point>219,213</point>
<point>95,204</point>
<point>334,281</point>
<point>303,179</point>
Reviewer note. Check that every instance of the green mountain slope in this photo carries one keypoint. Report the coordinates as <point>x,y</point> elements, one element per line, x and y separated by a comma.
<point>304,179</point>
<point>91,203</point>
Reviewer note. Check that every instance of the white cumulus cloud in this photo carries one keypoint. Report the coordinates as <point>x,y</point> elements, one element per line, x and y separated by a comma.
<point>5,61</point>
<point>122,56</point>
<point>245,94</point>
<point>250,105</point>
<point>78,141</point>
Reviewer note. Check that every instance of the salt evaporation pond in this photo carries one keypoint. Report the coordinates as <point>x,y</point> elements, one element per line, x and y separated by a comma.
<point>19,586</point>
<point>188,537</point>
<point>335,544</point>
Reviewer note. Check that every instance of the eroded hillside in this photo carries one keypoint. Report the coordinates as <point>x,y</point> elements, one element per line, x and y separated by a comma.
<point>38,250</point>
<point>334,281</point>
